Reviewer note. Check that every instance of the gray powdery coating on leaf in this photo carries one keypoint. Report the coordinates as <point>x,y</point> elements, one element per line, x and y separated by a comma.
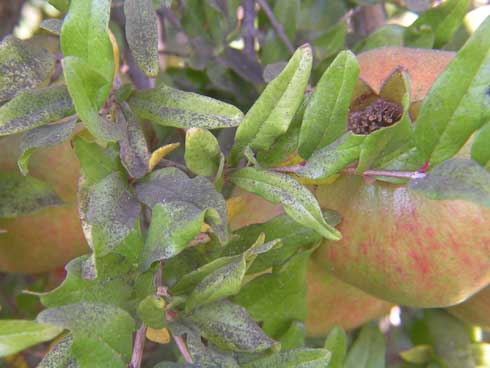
<point>171,107</point>
<point>456,179</point>
<point>133,147</point>
<point>33,108</point>
<point>24,195</point>
<point>44,136</point>
<point>113,209</point>
<point>229,326</point>
<point>60,356</point>
<point>142,34</point>
<point>170,185</point>
<point>23,65</point>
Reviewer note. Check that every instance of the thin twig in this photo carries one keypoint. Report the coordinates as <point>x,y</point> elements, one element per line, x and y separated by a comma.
<point>248,31</point>
<point>139,344</point>
<point>277,26</point>
<point>183,348</point>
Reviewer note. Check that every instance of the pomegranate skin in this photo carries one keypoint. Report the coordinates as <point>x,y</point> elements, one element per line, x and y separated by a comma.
<point>404,248</point>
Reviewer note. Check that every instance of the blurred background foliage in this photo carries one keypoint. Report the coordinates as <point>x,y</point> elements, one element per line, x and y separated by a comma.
<point>229,49</point>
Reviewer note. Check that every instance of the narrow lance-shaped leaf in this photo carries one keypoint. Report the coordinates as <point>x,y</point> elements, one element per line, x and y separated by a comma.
<point>170,107</point>
<point>223,282</point>
<point>480,149</point>
<point>274,110</point>
<point>278,298</point>
<point>34,108</point>
<point>444,20</point>
<point>84,85</point>
<point>368,351</point>
<point>202,152</point>
<point>297,358</point>
<point>180,206</point>
<point>456,179</point>
<point>102,334</point>
<point>297,201</point>
<point>17,335</point>
<point>44,136</point>
<point>135,155</point>
<point>23,195</point>
<point>229,327</point>
<point>112,212</point>
<point>325,118</point>
<point>336,343</point>
<point>330,160</point>
<point>142,34</point>
<point>60,356</point>
<point>23,65</point>
<point>458,102</point>
<point>85,34</point>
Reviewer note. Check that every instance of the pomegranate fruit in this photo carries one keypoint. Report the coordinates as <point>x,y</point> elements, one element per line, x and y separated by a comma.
<point>49,238</point>
<point>398,245</point>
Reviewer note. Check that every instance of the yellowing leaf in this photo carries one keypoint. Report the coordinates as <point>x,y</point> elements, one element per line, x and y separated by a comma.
<point>159,336</point>
<point>115,50</point>
<point>160,153</point>
<point>234,205</point>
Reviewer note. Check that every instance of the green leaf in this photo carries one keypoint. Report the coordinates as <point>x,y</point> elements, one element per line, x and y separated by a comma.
<point>61,5</point>
<point>114,283</point>
<point>299,358</point>
<point>96,162</point>
<point>278,298</point>
<point>188,281</point>
<point>207,357</point>
<point>331,42</point>
<point>480,149</point>
<point>85,34</point>
<point>456,179</point>
<point>458,102</point>
<point>142,34</point>
<point>112,212</point>
<point>294,337</point>
<point>336,343</point>
<point>229,327</point>
<point>102,334</point>
<point>325,118</point>
<point>202,152</point>
<point>33,108</point>
<point>44,136</point>
<point>330,160</point>
<point>388,35</point>
<point>292,235</point>
<point>272,113</point>
<point>135,155</point>
<point>151,310</point>
<point>420,354</point>
<point>86,88</point>
<point>368,351</point>
<point>420,37</point>
<point>223,282</point>
<point>23,195</point>
<point>17,335</point>
<point>170,107</point>
<point>296,200</point>
<point>23,65</point>
<point>180,205</point>
<point>444,20</point>
<point>60,356</point>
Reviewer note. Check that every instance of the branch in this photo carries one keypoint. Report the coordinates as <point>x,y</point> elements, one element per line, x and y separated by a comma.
<point>276,25</point>
<point>183,348</point>
<point>249,28</point>
<point>139,344</point>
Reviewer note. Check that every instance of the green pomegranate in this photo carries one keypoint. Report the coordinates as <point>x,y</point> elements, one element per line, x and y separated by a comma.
<point>49,238</point>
